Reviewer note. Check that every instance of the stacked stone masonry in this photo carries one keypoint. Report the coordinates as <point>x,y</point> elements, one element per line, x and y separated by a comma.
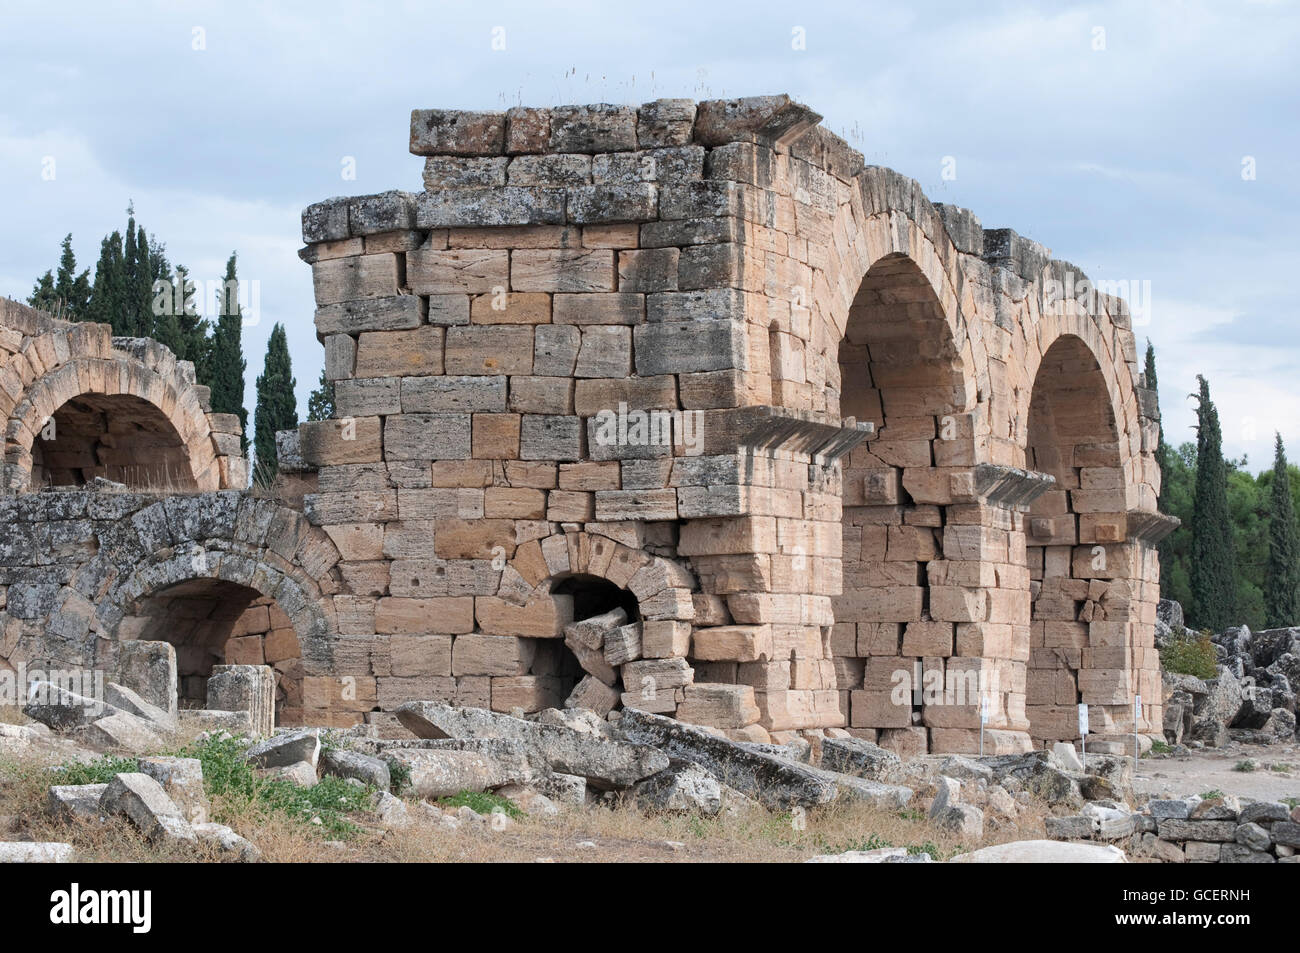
<point>685,408</point>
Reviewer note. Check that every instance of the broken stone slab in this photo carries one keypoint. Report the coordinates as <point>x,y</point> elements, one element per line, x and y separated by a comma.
<point>591,631</point>
<point>236,723</point>
<point>775,782</point>
<point>948,793</point>
<point>1242,854</point>
<point>1263,812</point>
<point>69,801</point>
<point>1043,852</point>
<point>685,787</point>
<point>61,709</point>
<point>245,688</point>
<point>149,670</point>
<point>567,789</point>
<point>287,748</point>
<point>124,699</point>
<point>529,800</point>
<point>1068,756</point>
<point>965,820</point>
<point>1178,809</point>
<point>592,694</point>
<point>604,763</point>
<point>35,852</point>
<point>344,763</point>
<point>878,856</point>
<point>442,772</point>
<point>123,731</point>
<point>232,846</point>
<point>146,805</point>
<point>182,779</point>
<point>1073,827</point>
<point>391,811</point>
<point>1253,836</point>
<point>301,773</point>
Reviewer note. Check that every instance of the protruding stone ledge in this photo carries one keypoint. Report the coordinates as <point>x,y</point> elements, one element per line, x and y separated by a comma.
<point>1150,528</point>
<point>999,485</point>
<point>769,429</point>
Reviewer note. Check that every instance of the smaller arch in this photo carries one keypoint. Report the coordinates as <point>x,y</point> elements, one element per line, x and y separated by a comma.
<point>575,576</point>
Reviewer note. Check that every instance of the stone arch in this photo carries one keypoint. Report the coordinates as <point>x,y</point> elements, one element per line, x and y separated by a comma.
<point>537,600</point>
<point>223,548</point>
<point>901,366</point>
<point>88,405</point>
<point>1079,550</point>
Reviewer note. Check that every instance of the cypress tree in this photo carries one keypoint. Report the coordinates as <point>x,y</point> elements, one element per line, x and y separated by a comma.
<point>148,261</point>
<point>69,287</point>
<point>1213,564</point>
<point>225,363</point>
<point>277,408</point>
<point>43,297</point>
<point>130,281</point>
<point>1282,579</point>
<point>192,342</point>
<point>108,296</point>
<point>320,405</point>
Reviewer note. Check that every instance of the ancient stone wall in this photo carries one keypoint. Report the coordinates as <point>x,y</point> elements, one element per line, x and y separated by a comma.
<point>498,340</point>
<point>680,407</point>
<point>81,404</point>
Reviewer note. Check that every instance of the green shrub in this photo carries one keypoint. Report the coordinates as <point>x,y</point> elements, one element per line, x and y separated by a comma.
<point>100,771</point>
<point>1245,766</point>
<point>482,803</point>
<point>1190,653</point>
<point>228,776</point>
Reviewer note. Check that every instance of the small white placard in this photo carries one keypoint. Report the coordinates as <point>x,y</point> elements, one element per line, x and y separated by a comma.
<point>1083,719</point>
<point>984,710</point>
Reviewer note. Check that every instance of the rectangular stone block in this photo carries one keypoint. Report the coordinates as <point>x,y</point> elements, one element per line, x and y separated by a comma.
<point>427,437</point>
<point>477,654</point>
<point>457,271</point>
<point>361,276</point>
<point>399,353</point>
<point>469,394</point>
<point>489,350</point>
<point>562,270</point>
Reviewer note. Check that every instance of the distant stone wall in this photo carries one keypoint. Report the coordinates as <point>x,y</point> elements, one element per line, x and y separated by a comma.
<point>81,404</point>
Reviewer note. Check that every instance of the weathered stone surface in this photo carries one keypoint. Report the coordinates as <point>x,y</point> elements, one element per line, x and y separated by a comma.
<point>1043,852</point>
<point>436,773</point>
<point>684,788</point>
<point>69,801</point>
<point>773,781</point>
<point>145,804</point>
<point>123,732</point>
<point>604,763</point>
<point>230,845</point>
<point>35,852</point>
<point>343,763</point>
<point>290,747</point>
<point>182,780</point>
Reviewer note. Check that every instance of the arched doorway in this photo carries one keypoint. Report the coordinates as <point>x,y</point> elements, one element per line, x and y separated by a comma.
<point>1076,549</point>
<point>118,437</point>
<point>217,622</point>
<point>899,368</point>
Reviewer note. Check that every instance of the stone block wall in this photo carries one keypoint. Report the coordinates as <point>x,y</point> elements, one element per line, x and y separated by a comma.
<point>845,375</point>
<point>681,407</point>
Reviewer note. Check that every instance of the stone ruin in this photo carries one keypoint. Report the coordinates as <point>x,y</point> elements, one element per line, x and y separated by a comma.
<point>681,408</point>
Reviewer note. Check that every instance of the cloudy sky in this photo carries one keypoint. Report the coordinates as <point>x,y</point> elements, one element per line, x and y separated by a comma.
<point>1154,143</point>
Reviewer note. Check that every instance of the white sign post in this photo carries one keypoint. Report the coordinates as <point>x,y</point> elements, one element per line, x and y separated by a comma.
<point>1137,715</point>
<point>984,720</point>
<point>1083,728</point>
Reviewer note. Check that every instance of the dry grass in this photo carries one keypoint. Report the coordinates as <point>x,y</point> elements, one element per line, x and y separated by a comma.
<point>620,833</point>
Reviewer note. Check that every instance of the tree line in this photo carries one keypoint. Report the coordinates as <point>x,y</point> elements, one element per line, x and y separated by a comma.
<point>1236,557</point>
<point>138,293</point>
